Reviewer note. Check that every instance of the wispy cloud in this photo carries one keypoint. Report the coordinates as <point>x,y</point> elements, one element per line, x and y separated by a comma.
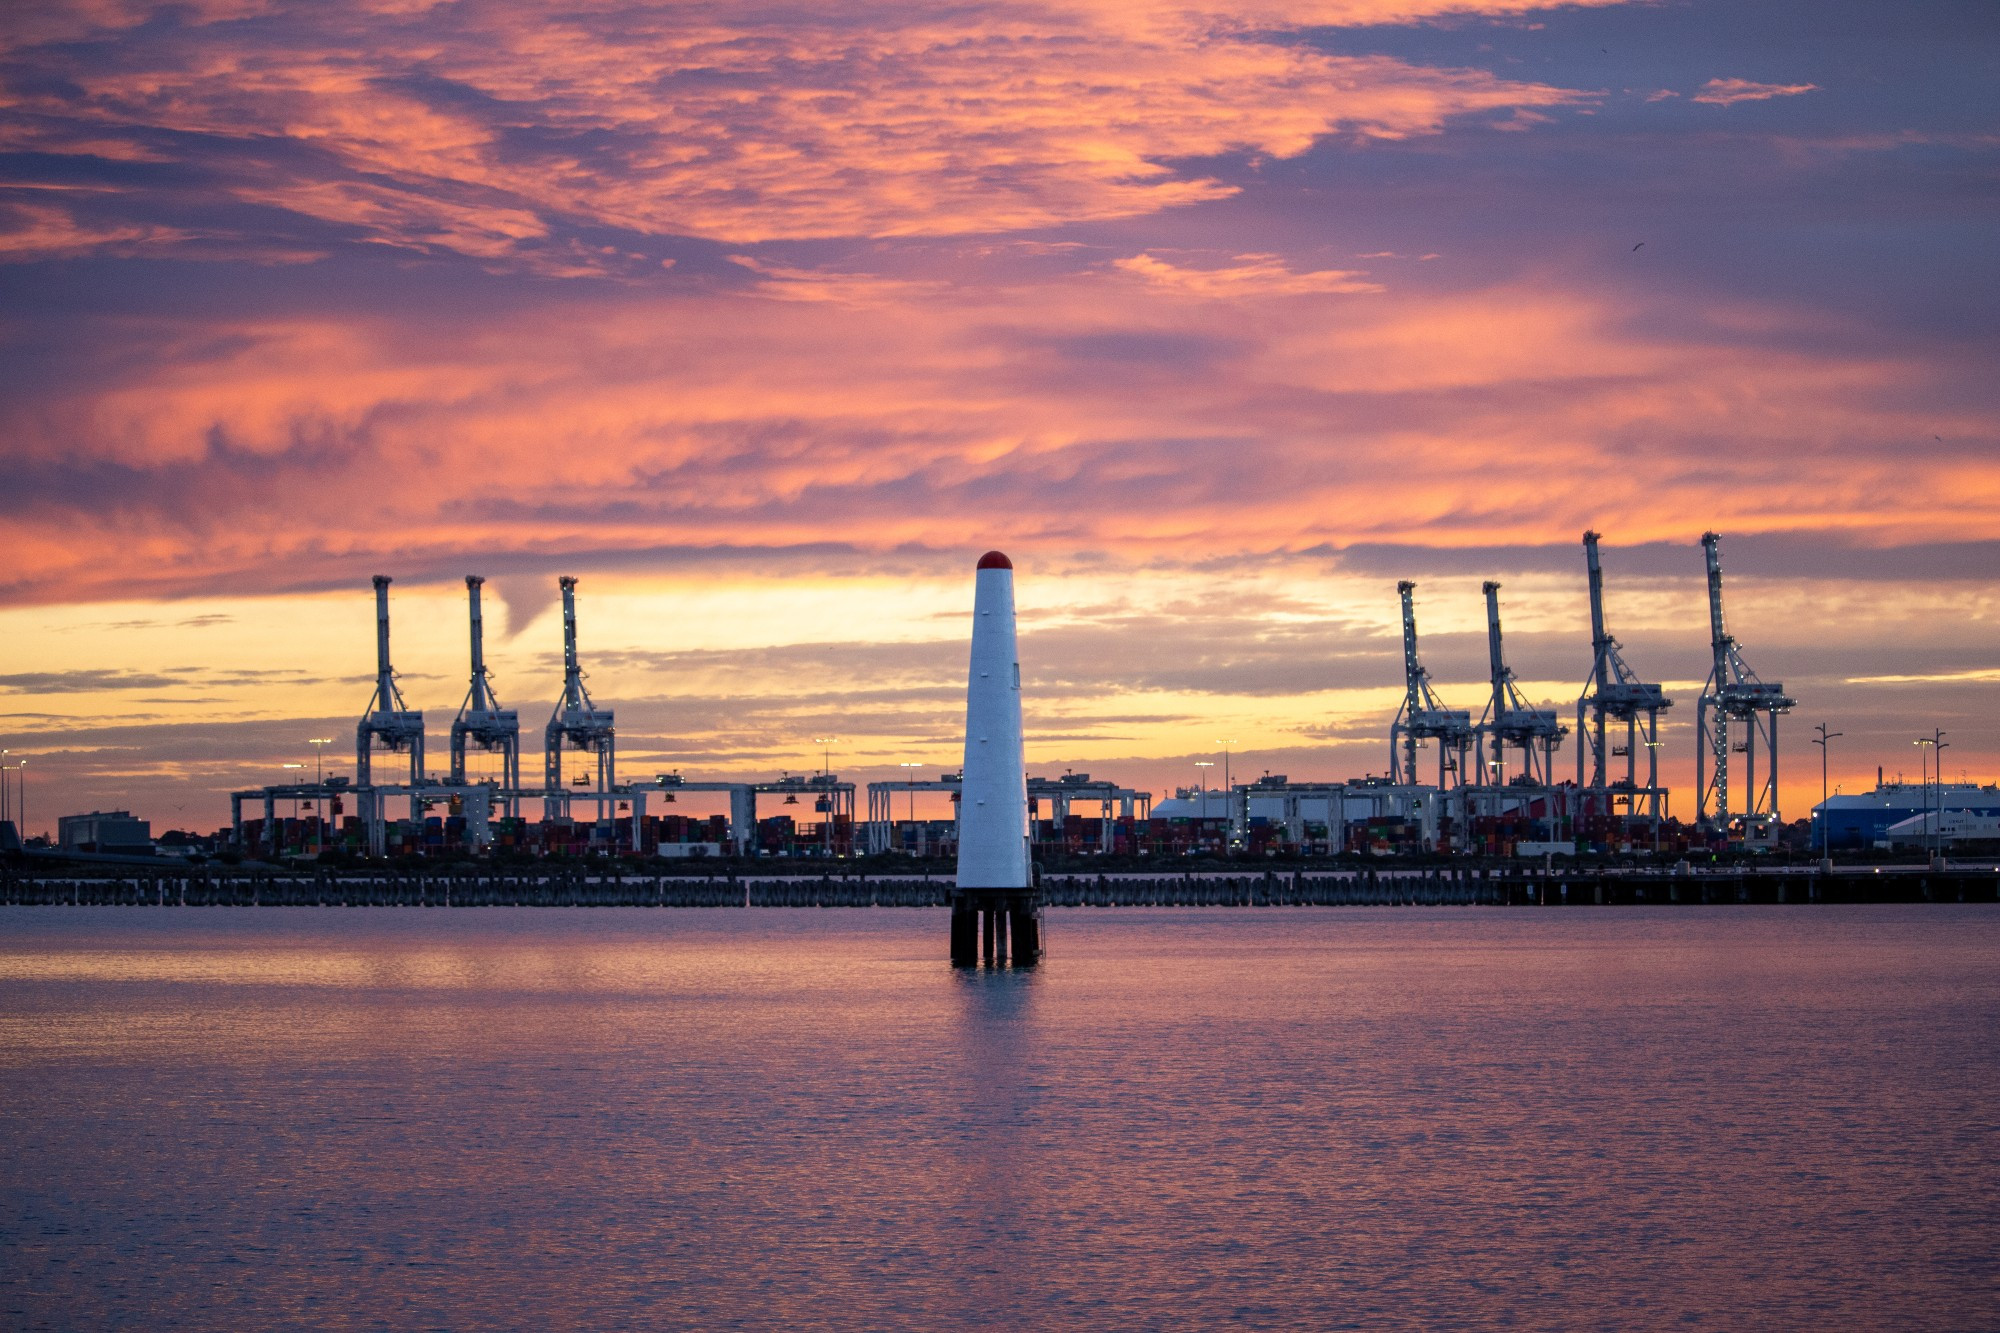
<point>1930,678</point>
<point>1728,92</point>
<point>1244,276</point>
<point>83,682</point>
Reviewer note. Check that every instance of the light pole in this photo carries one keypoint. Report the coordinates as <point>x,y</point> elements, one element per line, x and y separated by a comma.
<point>1938,747</point>
<point>319,744</point>
<point>1653,767</point>
<point>272,834</point>
<point>1825,846</point>
<point>1228,787</point>
<point>826,792</point>
<point>1201,783</point>
<point>910,781</point>
<point>1920,742</point>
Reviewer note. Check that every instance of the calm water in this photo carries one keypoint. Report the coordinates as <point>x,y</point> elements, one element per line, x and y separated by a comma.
<point>1730,1118</point>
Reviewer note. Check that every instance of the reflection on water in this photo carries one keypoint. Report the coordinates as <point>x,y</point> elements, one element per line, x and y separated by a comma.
<point>1733,1118</point>
<point>999,1091</point>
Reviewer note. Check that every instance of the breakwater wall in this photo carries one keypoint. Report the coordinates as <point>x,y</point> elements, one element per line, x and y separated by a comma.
<point>1451,887</point>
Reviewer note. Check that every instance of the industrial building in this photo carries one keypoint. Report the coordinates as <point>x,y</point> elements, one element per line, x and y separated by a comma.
<point>1052,818</point>
<point>108,831</point>
<point>1906,813</point>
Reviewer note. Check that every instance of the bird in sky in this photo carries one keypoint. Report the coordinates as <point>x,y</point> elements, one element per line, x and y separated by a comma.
<point>1635,248</point>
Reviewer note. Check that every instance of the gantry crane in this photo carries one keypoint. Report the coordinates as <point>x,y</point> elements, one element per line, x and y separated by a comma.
<point>1423,716</point>
<point>1616,693</point>
<point>1734,693</point>
<point>481,719</point>
<point>398,727</point>
<point>576,722</point>
<point>1510,720</point>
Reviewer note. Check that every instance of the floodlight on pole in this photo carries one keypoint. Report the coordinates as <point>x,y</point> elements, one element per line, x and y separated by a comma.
<point>1938,745</point>
<point>1924,772</point>
<point>1825,845</point>
<point>319,744</point>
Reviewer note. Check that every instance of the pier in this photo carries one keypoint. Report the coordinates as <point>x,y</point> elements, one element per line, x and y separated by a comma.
<point>992,924</point>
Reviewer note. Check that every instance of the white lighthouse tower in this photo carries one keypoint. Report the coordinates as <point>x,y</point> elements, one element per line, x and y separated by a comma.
<point>996,910</point>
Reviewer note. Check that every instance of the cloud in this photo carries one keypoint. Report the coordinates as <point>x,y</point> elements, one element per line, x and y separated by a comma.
<point>495,133</point>
<point>1981,675</point>
<point>99,680</point>
<point>38,230</point>
<point>1246,276</point>
<point>903,415</point>
<point>84,681</point>
<point>1728,92</point>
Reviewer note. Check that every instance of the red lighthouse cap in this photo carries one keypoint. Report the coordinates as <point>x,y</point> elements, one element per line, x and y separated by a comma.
<point>995,560</point>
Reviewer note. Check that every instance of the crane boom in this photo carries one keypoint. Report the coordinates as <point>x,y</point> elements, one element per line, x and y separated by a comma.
<point>1600,642</point>
<point>1719,640</point>
<point>1413,670</point>
<point>387,696</point>
<point>482,696</point>
<point>1493,653</point>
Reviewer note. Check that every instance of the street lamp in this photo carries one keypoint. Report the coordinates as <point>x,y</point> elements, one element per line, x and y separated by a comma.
<point>1201,784</point>
<point>1825,847</point>
<point>826,795</point>
<point>319,744</point>
<point>1228,786</point>
<point>1938,747</point>
<point>1920,742</point>
<point>910,781</point>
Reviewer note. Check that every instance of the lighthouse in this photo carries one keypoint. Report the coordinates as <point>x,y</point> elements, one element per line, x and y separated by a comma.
<point>996,911</point>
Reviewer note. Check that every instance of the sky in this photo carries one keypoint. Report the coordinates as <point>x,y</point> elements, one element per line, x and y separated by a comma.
<point>765,319</point>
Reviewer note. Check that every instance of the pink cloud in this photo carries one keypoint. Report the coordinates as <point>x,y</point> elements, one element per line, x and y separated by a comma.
<point>1728,92</point>
<point>1245,276</point>
<point>710,121</point>
<point>884,413</point>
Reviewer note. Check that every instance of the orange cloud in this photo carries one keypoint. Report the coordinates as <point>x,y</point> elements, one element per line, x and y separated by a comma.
<point>1248,275</point>
<point>1728,92</point>
<point>1080,412</point>
<point>44,231</point>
